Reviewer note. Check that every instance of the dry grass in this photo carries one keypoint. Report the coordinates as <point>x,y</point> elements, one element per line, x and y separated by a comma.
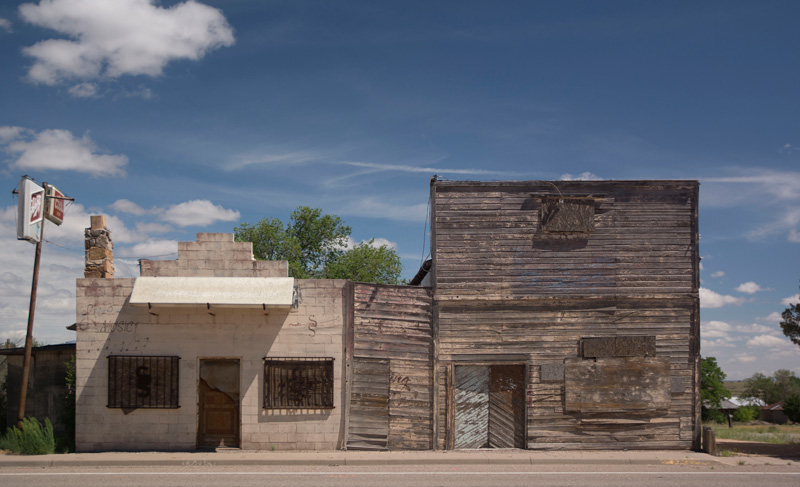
<point>773,433</point>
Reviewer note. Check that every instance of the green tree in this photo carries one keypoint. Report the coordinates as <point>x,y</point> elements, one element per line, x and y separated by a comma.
<point>791,408</point>
<point>308,242</point>
<point>366,263</point>
<point>782,385</point>
<point>315,245</point>
<point>791,322</point>
<point>712,388</point>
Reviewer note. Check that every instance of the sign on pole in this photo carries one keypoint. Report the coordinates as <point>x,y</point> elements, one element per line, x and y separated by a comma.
<point>54,205</point>
<point>30,216</point>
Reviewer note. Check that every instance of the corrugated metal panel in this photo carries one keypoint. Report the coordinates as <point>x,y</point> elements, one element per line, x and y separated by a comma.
<point>472,406</point>
<point>369,405</point>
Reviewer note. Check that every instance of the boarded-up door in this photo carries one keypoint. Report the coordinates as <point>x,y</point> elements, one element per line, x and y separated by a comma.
<point>369,405</point>
<point>489,406</point>
<point>218,393</point>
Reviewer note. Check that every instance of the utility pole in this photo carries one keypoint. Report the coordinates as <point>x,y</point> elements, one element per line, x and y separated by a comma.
<point>26,361</point>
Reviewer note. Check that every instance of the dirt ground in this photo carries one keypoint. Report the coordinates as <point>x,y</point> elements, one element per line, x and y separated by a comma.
<point>758,448</point>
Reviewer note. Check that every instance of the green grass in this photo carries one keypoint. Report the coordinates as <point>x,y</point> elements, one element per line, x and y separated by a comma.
<point>779,434</point>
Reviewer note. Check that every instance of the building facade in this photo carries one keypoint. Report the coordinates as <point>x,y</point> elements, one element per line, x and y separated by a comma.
<point>559,315</point>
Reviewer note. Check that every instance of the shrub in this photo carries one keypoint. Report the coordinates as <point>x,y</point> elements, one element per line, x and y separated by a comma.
<point>32,439</point>
<point>745,414</point>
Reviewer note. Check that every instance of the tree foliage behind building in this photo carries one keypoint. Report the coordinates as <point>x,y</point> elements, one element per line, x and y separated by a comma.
<point>790,323</point>
<point>712,389</point>
<point>315,246</point>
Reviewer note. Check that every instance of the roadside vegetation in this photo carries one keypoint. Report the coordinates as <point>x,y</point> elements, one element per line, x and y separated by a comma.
<point>770,433</point>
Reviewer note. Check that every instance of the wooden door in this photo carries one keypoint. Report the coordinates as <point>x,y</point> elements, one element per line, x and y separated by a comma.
<point>507,406</point>
<point>489,406</point>
<point>218,393</point>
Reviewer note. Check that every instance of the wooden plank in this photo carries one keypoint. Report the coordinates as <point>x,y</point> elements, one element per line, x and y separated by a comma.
<point>369,405</point>
<point>471,406</point>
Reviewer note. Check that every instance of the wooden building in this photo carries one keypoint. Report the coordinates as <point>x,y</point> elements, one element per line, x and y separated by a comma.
<point>565,314</point>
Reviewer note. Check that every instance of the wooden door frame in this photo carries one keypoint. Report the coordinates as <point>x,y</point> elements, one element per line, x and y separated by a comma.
<point>450,407</point>
<point>199,398</point>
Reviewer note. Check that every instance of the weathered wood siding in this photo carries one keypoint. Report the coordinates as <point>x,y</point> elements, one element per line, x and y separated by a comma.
<point>394,323</point>
<point>507,289</point>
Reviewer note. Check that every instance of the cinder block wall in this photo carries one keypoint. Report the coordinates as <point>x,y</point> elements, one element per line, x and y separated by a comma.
<point>108,325</point>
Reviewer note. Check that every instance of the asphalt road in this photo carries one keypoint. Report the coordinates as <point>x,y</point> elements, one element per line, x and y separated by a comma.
<point>445,476</point>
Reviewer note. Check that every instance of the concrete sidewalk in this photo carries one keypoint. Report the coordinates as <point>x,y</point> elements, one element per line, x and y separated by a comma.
<point>353,458</point>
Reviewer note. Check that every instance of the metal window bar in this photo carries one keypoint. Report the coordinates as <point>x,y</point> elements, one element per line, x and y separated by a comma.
<point>298,383</point>
<point>143,382</point>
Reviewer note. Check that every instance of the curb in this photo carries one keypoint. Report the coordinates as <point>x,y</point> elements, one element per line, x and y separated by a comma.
<point>336,461</point>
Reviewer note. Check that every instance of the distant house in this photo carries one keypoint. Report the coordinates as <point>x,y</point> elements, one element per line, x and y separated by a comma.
<point>46,382</point>
<point>552,315</point>
<point>774,413</point>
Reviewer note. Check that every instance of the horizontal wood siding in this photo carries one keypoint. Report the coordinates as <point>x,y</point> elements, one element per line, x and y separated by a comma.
<point>394,323</point>
<point>506,290</point>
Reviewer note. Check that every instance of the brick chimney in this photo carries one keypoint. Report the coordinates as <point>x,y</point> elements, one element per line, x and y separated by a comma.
<point>99,250</point>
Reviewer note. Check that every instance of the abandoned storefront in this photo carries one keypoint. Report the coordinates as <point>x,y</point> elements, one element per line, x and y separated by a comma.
<point>212,349</point>
<point>559,315</point>
<point>566,314</point>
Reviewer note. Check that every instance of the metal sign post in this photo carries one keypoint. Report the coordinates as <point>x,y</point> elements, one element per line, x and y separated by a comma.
<point>33,210</point>
<point>26,361</point>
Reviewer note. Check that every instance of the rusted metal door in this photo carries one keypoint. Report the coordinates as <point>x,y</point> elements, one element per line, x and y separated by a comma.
<point>369,405</point>
<point>218,393</point>
<point>489,406</point>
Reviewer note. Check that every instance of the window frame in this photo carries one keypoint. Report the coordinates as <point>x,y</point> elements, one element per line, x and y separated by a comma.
<point>124,382</point>
<point>317,377</point>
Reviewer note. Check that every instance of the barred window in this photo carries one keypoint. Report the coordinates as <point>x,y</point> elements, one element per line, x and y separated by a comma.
<point>298,383</point>
<point>143,382</point>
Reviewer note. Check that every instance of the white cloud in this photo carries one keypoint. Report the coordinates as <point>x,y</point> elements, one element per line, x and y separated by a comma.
<point>769,341</point>
<point>773,317</point>
<point>746,358</point>
<point>782,185</point>
<point>754,328</point>
<point>377,208</point>
<point>125,37</point>
<point>791,300</point>
<point>5,24</point>
<point>152,228</point>
<point>376,243</point>
<point>584,176</point>
<point>749,287</point>
<point>198,212</point>
<point>151,248</point>
<point>788,222</point>
<point>718,274</point>
<point>128,206</point>
<point>57,149</point>
<point>83,90</point>
<point>710,299</point>
<point>275,158</point>
<point>715,329</point>
<point>426,170</point>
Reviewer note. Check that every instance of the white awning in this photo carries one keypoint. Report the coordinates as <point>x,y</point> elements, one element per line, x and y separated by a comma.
<point>251,292</point>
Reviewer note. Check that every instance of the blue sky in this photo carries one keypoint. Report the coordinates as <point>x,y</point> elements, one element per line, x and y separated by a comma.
<point>173,118</point>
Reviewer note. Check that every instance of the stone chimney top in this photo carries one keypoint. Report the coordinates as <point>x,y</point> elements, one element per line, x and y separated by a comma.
<point>99,249</point>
